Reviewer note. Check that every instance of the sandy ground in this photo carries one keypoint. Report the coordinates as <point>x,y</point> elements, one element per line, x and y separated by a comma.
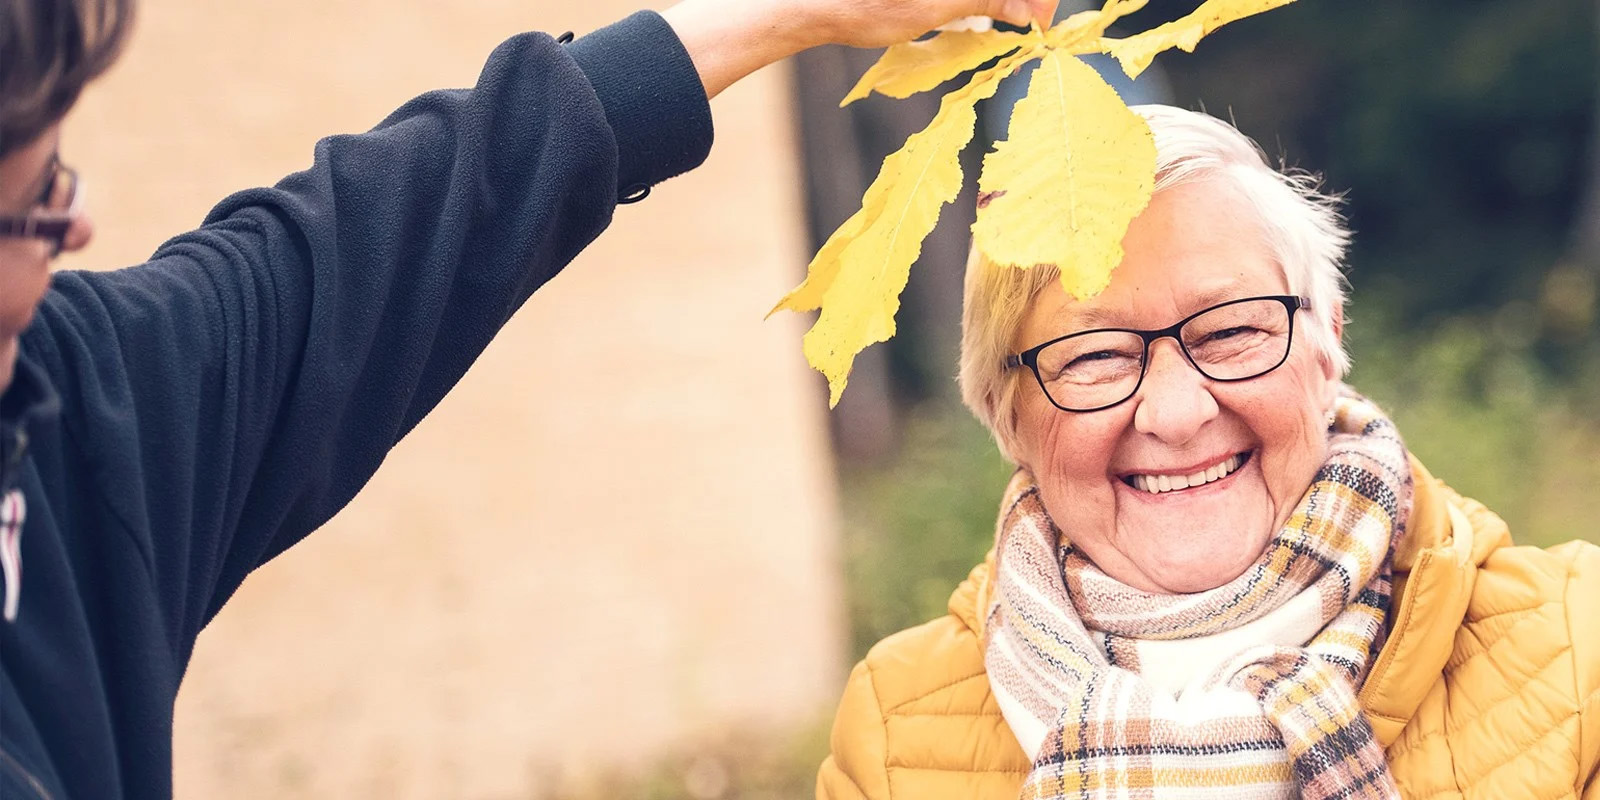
<point>570,565</point>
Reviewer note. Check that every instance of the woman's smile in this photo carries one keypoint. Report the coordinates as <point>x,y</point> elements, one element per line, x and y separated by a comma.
<point>1187,482</point>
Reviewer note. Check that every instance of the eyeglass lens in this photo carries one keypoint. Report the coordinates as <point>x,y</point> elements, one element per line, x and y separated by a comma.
<point>58,193</point>
<point>1227,343</point>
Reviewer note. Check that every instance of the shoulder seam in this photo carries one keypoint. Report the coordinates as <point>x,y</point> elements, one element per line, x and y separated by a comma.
<point>965,771</point>
<point>929,693</point>
<point>883,721</point>
<point>1577,691</point>
<point>1526,610</point>
<point>1533,675</point>
<point>1555,729</point>
<point>847,776</point>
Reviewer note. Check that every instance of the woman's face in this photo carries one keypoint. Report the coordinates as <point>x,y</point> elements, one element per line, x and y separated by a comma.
<point>1195,245</point>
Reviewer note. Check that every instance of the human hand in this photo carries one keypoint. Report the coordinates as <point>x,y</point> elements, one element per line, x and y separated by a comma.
<point>729,39</point>
<point>879,23</point>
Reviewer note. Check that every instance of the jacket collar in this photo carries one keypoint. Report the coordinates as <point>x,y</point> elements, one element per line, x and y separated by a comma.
<point>1435,568</point>
<point>29,401</point>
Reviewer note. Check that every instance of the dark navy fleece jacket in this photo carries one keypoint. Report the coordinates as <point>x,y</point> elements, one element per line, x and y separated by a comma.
<point>225,399</point>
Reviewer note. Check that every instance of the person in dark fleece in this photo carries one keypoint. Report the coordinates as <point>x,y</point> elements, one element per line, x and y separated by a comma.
<point>167,428</point>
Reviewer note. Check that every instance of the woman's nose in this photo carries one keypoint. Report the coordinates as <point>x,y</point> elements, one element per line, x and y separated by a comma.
<point>1174,401</point>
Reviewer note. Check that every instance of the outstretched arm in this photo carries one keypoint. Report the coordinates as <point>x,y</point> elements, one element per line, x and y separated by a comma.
<point>729,40</point>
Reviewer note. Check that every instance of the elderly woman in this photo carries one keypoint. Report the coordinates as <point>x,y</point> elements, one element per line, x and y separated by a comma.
<point>1217,571</point>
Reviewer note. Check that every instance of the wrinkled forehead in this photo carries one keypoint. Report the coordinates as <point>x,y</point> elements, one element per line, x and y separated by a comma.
<point>1196,245</point>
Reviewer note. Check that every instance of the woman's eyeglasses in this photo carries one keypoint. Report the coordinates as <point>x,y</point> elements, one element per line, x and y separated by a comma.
<point>51,217</point>
<point>1233,341</point>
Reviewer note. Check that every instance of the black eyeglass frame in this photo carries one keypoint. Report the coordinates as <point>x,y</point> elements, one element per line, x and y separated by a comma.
<point>1030,358</point>
<point>52,226</point>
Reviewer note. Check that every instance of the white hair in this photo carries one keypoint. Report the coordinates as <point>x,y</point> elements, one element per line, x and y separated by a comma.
<point>1302,226</point>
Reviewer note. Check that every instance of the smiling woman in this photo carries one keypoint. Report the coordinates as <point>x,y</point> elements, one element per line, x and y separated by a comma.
<point>1194,580</point>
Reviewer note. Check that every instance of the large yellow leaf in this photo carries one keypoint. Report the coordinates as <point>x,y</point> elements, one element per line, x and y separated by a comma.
<point>1077,168</point>
<point>861,270</point>
<point>906,69</point>
<point>1136,52</point>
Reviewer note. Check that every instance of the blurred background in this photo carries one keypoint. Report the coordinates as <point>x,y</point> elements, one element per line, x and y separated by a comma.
<point>571,582</point>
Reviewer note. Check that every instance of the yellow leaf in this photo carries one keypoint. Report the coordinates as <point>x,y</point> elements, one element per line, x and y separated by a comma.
<point>906,69</point>
<point>858,275</point>
<point>1084,26</point>
<point>1117,9</point>
<point>825,265</point>
<point>1081,32</point>
<point>1136,52</point>
<point>1077,168</point>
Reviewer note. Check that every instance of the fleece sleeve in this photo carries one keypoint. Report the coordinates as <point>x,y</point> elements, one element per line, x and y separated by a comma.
<point>232,394</point>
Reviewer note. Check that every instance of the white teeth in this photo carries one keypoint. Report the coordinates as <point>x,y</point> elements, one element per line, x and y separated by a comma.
<point>1156,484</point>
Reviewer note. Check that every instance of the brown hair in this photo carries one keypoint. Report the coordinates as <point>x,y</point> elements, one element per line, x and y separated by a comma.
<point>50,49</point>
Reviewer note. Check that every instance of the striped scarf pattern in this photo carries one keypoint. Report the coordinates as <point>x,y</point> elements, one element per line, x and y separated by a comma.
<point>1244,691</point>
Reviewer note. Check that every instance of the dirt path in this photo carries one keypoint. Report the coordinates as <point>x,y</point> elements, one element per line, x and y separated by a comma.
<point>619,528</point>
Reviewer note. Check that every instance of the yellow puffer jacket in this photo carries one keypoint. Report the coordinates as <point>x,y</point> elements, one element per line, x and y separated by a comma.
<point>1488,687</point>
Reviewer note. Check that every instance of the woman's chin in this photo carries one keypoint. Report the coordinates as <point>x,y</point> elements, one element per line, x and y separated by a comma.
<point>1194,578</point>
<point>1202,556</point>
<point>1194,541</point>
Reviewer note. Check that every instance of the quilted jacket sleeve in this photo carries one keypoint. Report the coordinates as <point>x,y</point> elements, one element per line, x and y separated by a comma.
<point>1583,597</point>
<point>857,767</point>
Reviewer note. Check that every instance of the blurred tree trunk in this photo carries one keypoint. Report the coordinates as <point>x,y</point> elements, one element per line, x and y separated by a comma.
<point>864,421</point>
<point>843,150</point>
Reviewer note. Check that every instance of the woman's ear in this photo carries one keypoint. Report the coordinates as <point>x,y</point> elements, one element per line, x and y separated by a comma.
<point>1004,413</point>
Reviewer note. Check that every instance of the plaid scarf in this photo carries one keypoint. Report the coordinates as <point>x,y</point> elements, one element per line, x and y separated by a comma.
<point>1244,691</point>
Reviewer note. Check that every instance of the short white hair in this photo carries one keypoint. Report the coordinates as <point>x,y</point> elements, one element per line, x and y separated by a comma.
<point>1303,228</point>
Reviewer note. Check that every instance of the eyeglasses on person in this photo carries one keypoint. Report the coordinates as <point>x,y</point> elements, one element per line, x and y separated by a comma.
<point>1097,369</point>
<point>51,217</point>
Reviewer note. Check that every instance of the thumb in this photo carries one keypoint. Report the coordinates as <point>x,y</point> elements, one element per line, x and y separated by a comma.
<point>1044,11</point>
<point>1016,12</point>
<point>1022,13</point>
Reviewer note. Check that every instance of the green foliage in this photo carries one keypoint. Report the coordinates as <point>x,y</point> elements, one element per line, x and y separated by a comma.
<point>1485,414</point>
<point>914,527</point>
